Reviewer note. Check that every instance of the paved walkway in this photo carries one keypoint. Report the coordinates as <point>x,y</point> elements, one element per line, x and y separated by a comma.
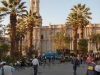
<point>57,69</point>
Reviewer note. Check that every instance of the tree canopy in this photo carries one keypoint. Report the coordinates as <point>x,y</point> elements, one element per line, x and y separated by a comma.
<point>60,40</point>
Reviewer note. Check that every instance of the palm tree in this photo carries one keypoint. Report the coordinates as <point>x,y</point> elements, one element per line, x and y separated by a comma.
<point>78,18</point>
<point>73,21</point>
<point>83,15</point>
<point>33,20</point>
<point>14,8</point>
<point>20,33</point>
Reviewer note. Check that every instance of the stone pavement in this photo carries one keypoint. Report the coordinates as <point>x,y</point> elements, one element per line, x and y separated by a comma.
<point>57,69</point>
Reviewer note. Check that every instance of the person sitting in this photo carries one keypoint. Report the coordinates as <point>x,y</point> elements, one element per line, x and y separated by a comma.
<point>62,59</point>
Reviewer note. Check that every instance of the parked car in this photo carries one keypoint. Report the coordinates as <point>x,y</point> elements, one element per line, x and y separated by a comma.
<point>49,54</point>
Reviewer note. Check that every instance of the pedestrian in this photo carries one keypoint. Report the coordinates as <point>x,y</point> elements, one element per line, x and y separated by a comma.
<point>79,59</point>
<point>89,59</point>
<point>40,59</point>
<point>6,69</point>
<point>53,59</point>
<point>30,61</point>
<point>49,59</point>
<point>97,69</point>
<point>97,57</point>
<point>35,65</point>
<point>75,63</point>
<point>91,67</point>
<point>44,58</point>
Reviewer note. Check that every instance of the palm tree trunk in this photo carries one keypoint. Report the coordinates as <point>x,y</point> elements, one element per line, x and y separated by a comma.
<point>75,39</point>
<point>20,47</point>
<point>17,44</point>
<point>13,34</point>
<point>30,36</point>
<point>81,32</point>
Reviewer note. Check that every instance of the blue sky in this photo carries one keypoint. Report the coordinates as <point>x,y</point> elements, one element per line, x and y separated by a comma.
<point>56,11</point>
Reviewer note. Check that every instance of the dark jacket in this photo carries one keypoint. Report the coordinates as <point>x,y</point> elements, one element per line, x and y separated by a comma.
<point>90,69</point>
<point>74,59</point>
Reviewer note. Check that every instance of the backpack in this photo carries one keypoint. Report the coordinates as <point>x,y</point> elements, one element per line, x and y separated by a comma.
<point>77,62</point>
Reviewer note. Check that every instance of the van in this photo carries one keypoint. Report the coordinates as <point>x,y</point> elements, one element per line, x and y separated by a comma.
<point>49,54</point>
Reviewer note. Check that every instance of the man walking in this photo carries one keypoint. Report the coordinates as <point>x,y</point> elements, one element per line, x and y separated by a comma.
<point>53,58</point>
<point>35,64</point>
<point>75,63</point>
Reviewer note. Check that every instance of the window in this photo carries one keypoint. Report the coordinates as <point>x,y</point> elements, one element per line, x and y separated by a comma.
<point>33,2</point>
<point>41,36</point>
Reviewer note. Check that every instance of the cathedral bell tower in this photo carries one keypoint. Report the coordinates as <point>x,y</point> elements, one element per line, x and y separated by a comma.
<point>34,7</point>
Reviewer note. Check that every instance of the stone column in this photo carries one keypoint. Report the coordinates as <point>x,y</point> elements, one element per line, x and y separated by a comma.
<point>49,39</point>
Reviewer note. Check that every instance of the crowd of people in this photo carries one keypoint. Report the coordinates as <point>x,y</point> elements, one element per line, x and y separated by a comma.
<point>93,63</point>
<point>22,63</point>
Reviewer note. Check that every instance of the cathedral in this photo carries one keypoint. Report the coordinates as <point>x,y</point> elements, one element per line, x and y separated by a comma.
<point>41,35</point>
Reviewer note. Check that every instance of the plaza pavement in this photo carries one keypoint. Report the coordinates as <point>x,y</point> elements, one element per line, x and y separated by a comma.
<point>57,69</point>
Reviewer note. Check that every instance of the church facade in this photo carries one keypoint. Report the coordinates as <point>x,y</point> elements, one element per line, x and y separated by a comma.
<point>42,34</point>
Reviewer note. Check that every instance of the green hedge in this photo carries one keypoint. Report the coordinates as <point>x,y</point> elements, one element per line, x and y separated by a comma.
<point>66,59</point>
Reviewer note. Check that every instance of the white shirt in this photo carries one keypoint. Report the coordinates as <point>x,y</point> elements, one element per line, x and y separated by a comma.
<point>35,61</point>
<point>8,70</point>
<point>97,68</point>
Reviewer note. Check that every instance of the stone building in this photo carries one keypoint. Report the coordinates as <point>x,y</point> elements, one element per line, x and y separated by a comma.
<point>42,34</point>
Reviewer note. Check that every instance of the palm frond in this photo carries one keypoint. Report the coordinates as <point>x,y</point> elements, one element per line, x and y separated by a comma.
<point>79,5</point>
<point>21,11</point>
<point>3,9</point>
<point>75,7</point>
<point>15,3</point>
<point>21,5</point>
<point>72,9</point>
<point>2,14</point>
<point>30,12</point>
<point>4,3</point>
<point>19,1</point>
<point>83,6</point>
<point>88,17</point>
<point>86,9</point>
<point>26,12</point>
<point>10,6</point>
<point>10,1</point>
<point>8,12</point>
<point>34,14</point>
<point>88,13</point>
<point>23,15</point>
